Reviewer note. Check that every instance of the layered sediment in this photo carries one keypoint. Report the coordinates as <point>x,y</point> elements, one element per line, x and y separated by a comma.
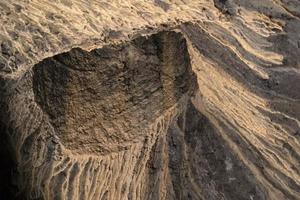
<point>150,100</point>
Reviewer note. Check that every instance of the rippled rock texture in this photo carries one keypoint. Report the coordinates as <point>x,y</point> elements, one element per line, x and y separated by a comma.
<point>150,100</point>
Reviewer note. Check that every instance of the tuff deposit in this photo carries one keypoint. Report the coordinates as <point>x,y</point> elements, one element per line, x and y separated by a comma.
<point>157,100</point>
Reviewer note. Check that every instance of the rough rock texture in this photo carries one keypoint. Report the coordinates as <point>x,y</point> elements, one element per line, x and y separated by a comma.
<point>150,99</point>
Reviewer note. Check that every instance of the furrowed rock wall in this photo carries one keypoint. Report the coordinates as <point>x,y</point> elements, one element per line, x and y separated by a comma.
<point>150,99</point>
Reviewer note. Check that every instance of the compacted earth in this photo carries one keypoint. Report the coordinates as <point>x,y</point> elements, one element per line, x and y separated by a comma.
<point>150,100</point>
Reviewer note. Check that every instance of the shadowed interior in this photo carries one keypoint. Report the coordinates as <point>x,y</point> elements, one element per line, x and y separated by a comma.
<point>110,96</point>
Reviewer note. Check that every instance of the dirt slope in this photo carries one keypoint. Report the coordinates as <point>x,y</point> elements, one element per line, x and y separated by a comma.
<point>150,99</point>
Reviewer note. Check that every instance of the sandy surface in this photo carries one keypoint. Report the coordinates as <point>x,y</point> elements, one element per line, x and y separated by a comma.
<point>150,99</point>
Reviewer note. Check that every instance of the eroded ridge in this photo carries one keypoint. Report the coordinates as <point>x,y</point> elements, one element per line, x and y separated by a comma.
<point>125,118</point>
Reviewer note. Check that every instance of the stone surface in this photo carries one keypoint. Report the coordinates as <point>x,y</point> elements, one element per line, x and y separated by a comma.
<point>150,99</point>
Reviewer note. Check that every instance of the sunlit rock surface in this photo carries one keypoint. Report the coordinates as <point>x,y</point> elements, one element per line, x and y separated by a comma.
<point>150,100</point>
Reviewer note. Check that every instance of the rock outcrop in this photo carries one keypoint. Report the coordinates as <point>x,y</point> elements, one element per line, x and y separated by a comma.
<point>150,99</point>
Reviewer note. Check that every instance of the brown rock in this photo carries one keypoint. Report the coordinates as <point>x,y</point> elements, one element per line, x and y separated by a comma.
<point>150,100</point>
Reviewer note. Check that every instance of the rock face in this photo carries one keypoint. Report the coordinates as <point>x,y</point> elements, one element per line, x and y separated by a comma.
<point>150,100</point>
